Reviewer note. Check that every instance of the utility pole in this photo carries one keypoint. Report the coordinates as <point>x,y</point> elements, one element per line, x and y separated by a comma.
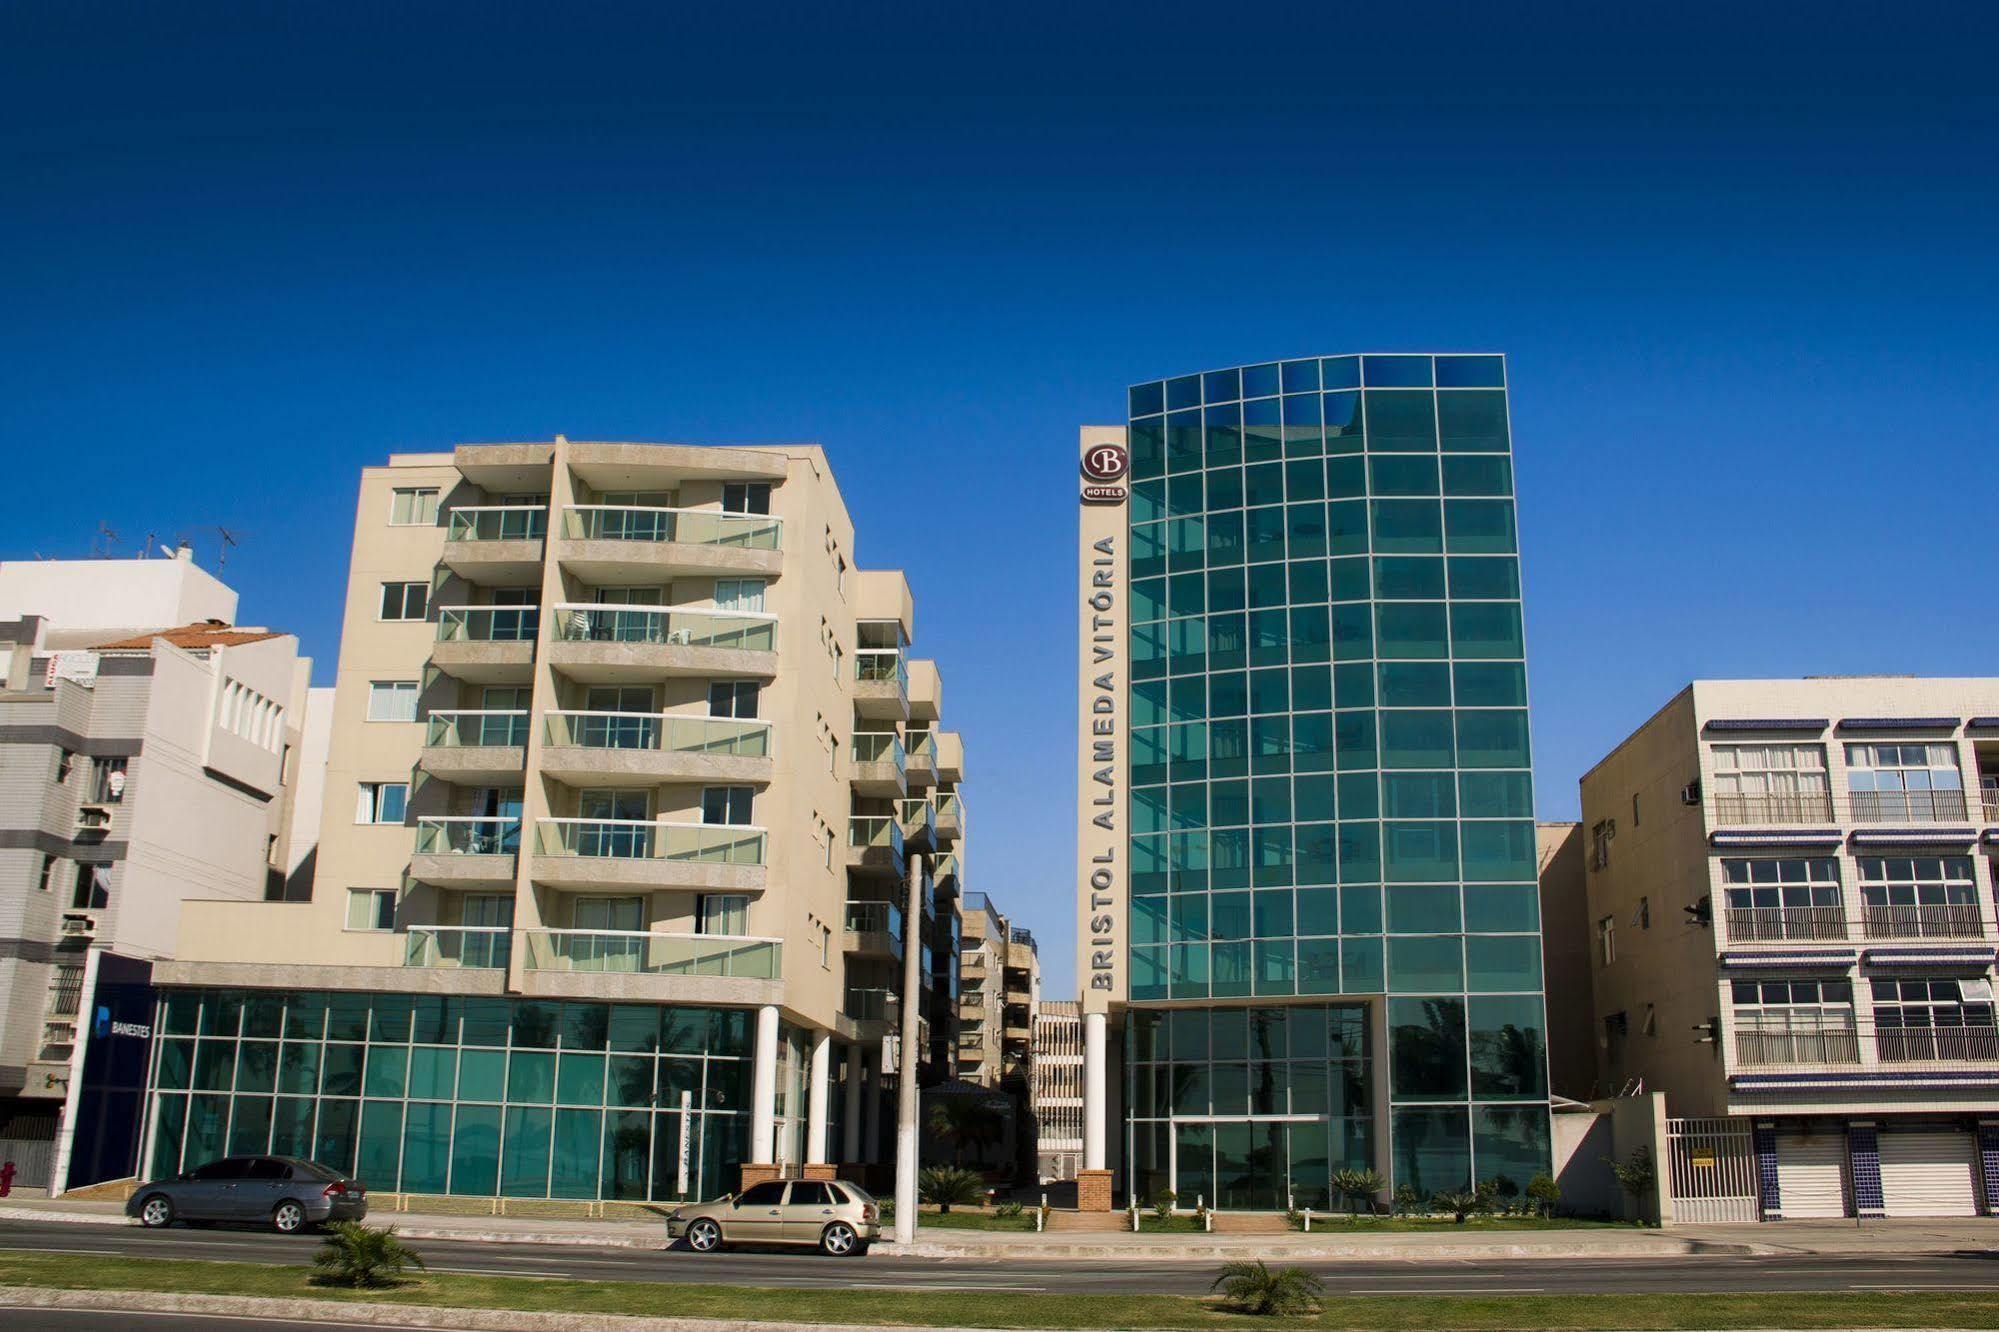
<point>906,1099</point>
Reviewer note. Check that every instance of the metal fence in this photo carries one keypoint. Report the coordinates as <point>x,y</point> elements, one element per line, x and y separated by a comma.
<point>33,1160</point>
<point>1712,1170</point>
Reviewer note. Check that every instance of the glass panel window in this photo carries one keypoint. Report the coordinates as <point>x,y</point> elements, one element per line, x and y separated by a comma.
<point>371,908</point>
<point>1918,782</point>
<point>392,700</point>
<point>1771,784</point>
<point>405,601</point>
<point>381,802</point>
<point>413,506</point>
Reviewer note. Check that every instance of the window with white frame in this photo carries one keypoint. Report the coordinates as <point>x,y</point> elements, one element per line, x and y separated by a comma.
<point>371,908</point>
<point>1789,884</point>
<point>726,805</point>
<point>405,601</point>
<point>413,506</point>
<point>1902,1003</point>
<point>739,594</point>
<point>1919,895</point>
<point>1905,781</point>
<point>392,700</point>
<point>746,497</point>
<point>1606,939</point>
<point>1817,998</point>
<point>1773,783</point>
<point>381,802</point>
<point>723,913</point>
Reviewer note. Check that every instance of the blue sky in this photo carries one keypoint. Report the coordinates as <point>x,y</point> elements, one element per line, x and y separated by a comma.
<point>1741,260</point>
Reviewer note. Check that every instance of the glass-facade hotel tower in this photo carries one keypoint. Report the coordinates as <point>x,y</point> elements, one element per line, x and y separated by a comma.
<point>1307,878</point>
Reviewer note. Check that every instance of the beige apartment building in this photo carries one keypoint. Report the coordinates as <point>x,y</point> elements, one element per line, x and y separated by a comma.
<point>999,970</point>
<point>629,771</point>
<point>149,751</point>
<point>1787,888</point>
<point>1057,1102</point>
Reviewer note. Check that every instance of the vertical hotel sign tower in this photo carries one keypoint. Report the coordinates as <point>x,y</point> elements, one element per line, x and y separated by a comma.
<point>1306,896</point>
<point>1102,727</point>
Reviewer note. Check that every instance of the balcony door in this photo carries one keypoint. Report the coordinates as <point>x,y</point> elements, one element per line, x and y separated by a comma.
<point>626,626</point>
<point>611,942</point>
<point>486,916</point>
<point>620,732</point>
<point>617,824</point>
<point>502,804</point>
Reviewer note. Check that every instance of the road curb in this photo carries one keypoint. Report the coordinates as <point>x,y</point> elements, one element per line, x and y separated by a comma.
<point>373,1315</point>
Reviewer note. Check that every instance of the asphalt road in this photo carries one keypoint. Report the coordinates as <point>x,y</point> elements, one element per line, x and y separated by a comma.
<point>879,1270</point>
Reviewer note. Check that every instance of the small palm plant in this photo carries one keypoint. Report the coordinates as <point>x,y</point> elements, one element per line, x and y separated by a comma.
<point>1460,1203</point>
<point>1358,1187</point>
<point>358,1255</point>
<point>1162,1204</point>
<point>946,1185</point>
<point>1251,1287</point>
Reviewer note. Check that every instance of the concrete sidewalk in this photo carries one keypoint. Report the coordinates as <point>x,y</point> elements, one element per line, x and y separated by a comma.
<point>1781,1237</point>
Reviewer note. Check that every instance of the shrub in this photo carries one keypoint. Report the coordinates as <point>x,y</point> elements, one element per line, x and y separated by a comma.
<point>1008,1209</point>
<point>1253,1288</point>
<point>1162,1203</point>
<point>1295,1219</point>
<point>946,1185</point>
<point>358,1255</point>
<point>1358,1188</point>
<point>1405,1200</point>
<point>1459,1203</point>
<point>1545,1192</point>
<point>1636,1175</point>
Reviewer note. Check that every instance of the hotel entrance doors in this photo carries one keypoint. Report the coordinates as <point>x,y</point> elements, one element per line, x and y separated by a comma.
<point>1250,1163</point>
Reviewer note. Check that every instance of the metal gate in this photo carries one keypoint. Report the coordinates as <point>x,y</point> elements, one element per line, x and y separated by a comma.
<point>1712,1166</point>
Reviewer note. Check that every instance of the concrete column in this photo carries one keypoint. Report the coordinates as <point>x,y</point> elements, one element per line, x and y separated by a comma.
<point>763,1090</point>
<point>906,1106</point>
<point>1378,1058</point>
<point>1096,1093</point>
<point>815,1102</point>
<point>850,1128</point>
<point>871,1110</point>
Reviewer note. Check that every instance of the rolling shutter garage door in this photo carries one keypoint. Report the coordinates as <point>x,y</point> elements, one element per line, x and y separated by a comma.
<point>1811,1173</point>
<point>1929,1173</point>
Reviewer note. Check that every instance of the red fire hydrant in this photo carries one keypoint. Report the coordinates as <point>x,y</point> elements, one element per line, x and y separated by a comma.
<point>6,1178</point>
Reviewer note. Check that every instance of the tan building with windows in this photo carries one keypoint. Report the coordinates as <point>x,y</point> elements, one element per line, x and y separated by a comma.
<point>629,763</point>
<point>1000,979</point>
<point>1788,890</point>
<point>1058,1088</point>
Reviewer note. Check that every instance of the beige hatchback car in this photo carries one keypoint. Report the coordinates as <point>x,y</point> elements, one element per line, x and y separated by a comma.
<point>838,1218</point>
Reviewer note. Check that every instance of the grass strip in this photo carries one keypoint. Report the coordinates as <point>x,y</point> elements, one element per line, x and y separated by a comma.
<point>1054,1309</point>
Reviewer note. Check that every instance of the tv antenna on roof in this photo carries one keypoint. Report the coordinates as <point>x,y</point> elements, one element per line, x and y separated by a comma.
<point>101,544</point>
<point>228,540</point>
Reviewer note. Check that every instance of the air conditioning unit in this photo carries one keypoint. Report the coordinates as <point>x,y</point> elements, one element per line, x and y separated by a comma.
<point>93,818</point>
<point>1690,794</point>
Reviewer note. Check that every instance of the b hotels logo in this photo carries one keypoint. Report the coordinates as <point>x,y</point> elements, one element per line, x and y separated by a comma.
<point>1105,463</point>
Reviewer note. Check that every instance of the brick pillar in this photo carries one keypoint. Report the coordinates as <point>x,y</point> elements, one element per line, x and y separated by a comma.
<point>816,1171</point>
<point>1093,1190</point>
<point>1765,1139</point>
<point>1988,1166</point>
<point>759,1174</point>
<point>1863,1167</point>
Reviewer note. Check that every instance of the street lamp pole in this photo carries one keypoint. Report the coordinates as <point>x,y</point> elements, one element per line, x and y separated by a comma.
<point>906,1098</point>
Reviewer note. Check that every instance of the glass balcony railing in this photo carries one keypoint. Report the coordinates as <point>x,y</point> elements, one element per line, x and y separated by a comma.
<point>649,839</point>
<point>872,1005</point>
<point>672,732</point>
<point>947,867</point>
<point>640,953</point>
<point>497,522</point>
<point>882,666</point>
<point>922,747</point>
<point>869,832</point>
<point>446,836</point>
<point>875,918</point>
<point>740,630</point>
<point>477,728</point>
<point>705,527</point>
<point>951,807</point>
<point>879,747</point>
<point>487,624</point>
<point>484,947</point>
<point>919,817</point>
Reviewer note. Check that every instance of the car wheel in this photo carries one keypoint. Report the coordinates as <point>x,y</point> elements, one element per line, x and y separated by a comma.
<point>288,1218</point>
<point>704,1236</point>
<point>156,1212</point>
<point>839,1241</point>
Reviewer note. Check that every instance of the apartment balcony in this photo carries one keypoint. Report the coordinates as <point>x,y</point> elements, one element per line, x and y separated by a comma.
<point>921,763</point>
<point>466,852</point>
<point>1783,924</point>
<point>486,644</point>
<point>1908,806</point>
<point>950,818</point>
<point>614,749</point>
<point>1970,1043</point>
<point>875,846</point>
<point>1776,1041</point>
<point>1942,920</point>
<point>950,756</point>
<point>618,855</point>
<point>881,1005</point>
<point>478,947</point>
<point>614,465</point>
<point>919,824</point>
<point>873,930</point>
<point>642,965</point>
<point>613,545</point>
<point>1016,1031</point>
<point>971,1051</point>
<point>506,468</point>
<point>881,685</point>
<point>496,545</point>
<point>926,691</point>
<point>878,764</point>
<point>598,644</point>
<point>476,747</point>
<point>1769,810</point>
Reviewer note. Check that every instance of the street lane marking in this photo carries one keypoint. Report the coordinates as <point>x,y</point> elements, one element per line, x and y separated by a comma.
<point>1463,1290</point>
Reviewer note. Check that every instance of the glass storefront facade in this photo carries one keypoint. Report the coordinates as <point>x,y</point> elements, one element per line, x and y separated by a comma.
<point>1330,779</point>
<point>448,1095</point>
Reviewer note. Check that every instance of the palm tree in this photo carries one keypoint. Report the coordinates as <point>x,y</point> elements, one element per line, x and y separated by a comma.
<point>945,1185</point>
<point>358,1255</point>
<point>1252,1288</point>
<point>1357,1187</point>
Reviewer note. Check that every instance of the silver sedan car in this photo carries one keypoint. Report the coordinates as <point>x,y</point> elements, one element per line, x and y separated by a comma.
<point>284,1192</point>
<point>838,1218</point>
